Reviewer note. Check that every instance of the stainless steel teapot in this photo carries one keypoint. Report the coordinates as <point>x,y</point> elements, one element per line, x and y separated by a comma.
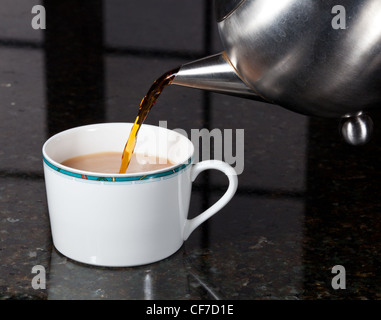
<point>290,53</point>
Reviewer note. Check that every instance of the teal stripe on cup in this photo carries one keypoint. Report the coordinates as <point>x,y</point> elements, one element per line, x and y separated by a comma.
<point>120,179</point>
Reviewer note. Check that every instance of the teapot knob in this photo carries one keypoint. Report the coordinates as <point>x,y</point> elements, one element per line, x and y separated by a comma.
<point>356,130</point>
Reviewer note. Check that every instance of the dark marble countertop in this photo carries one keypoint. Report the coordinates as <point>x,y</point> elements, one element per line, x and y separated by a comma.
<point>306,201</point>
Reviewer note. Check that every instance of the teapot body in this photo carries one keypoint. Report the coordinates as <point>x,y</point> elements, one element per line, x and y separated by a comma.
<point>312,57</point>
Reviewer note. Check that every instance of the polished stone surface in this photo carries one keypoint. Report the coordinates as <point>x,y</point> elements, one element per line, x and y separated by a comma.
<point>306,201</point>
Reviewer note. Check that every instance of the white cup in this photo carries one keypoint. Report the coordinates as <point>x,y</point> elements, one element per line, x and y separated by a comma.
<point>124,219</point>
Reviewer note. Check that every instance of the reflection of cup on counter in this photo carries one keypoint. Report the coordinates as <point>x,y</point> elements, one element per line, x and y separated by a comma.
<point>175,278</point>
<point>131,219</point>
<point>69,280</point>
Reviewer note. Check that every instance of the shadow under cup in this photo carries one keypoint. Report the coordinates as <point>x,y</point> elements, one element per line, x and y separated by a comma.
<point>123,219</point>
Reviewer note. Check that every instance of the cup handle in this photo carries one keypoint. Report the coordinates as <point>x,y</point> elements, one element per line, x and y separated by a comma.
<point>192,224</point>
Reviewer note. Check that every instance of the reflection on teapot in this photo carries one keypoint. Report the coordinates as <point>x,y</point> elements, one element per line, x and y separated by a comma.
<point>288,53</point>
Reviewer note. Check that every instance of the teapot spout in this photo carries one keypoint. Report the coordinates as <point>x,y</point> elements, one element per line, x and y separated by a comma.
<point>214,73</point>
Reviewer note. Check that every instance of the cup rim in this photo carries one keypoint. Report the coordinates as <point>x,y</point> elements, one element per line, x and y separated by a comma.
<point>100,176</point>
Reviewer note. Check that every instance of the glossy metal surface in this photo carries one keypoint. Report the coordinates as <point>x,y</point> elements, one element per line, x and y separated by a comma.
<point>289,53</point>
<point>357,130</point>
